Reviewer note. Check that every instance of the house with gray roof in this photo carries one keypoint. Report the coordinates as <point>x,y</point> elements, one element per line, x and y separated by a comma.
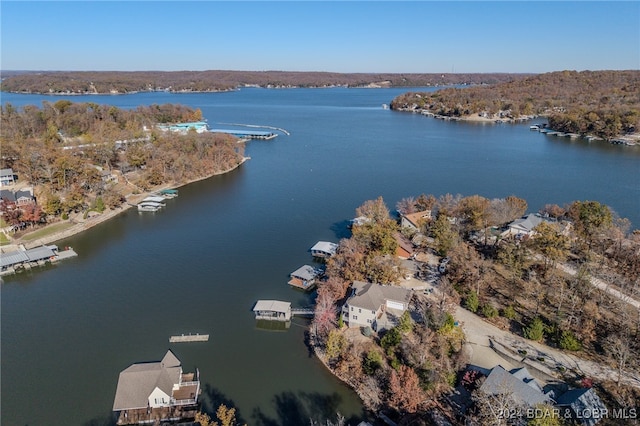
<point>517,383</point>
<point>7,177</point>
<point>524,226</point>
<point>582,405</point>
<point>374,305</point>
<point>151,390</point>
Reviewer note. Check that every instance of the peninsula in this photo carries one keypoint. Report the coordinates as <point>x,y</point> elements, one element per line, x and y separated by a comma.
<point>605,104</point>
<point>69,166</point>
<point>461,306</point>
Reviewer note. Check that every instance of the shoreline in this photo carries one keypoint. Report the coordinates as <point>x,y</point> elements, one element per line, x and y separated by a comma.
<point>622,139</point>
<point>92,221</point>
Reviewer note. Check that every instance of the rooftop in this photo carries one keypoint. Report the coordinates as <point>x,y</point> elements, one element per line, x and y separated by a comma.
<point>371,296</point>
<point>272,305</point>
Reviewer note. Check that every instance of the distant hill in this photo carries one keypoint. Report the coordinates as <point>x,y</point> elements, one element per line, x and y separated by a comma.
<point>601,103</point>
<point>104,82</point>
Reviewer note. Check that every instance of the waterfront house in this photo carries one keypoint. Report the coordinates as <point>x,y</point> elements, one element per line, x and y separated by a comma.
<point>272,310</point>
<point>517,383</point>
<point>324,249</point>
<point>7,177</point>
<point>159,392</point>
<point>415,220</point>
<point>524,226</point>
<point>374,305</point>
<point>304,277</point>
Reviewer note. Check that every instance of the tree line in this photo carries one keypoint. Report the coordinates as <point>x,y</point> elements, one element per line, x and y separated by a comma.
<point>601,103</point>
<point>65,150</point>
<point>106,82</point>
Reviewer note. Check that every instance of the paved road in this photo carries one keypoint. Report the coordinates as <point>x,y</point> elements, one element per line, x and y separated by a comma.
<point>480,333</point>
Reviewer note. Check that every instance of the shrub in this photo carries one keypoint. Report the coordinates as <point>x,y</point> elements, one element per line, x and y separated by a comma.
<point>65,216</point>
<point>100,205</point>
<point>405,325</point>
<point>569,342</point>
<point>372,362</point>
<point>471,302</point>
<point>489,311</point>
<point>391,339</point>
<point>448,324</point>
<point>535,330</point>
<point>509,312</point>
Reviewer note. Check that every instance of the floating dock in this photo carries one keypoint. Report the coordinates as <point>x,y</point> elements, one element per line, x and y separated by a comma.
<point>183,338</point>
<point>247,134</point>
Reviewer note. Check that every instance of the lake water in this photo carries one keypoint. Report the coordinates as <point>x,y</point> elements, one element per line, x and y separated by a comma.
<point>200,264</point>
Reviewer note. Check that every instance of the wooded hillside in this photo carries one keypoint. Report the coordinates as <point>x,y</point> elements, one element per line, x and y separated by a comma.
<point>71,153</point>
<point>602,103</point>
<point>203,81</point>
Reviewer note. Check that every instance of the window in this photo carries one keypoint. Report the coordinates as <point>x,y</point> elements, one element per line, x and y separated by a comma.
<point>355,317</point>
<point>352,309</point>
<point>369,321</point>
<point>359,311</point>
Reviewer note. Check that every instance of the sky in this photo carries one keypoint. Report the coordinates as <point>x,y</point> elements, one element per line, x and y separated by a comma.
<point>345,36</point>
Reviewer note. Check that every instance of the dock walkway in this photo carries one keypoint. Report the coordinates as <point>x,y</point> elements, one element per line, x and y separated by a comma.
<point>302,312</point>
<point>189,338</point>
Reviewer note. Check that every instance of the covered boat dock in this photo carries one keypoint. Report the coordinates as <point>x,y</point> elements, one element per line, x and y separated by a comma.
<point>23,258</point>
<point>272,310</point>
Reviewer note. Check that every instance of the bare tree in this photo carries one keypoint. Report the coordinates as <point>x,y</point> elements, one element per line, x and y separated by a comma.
<point>619,348</point>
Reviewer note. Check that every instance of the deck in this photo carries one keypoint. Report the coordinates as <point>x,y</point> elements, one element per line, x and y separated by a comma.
<point>158,416</point>
<point>302,284</point>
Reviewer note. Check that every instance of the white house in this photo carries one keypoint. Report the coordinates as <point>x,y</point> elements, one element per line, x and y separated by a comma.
<point>143,387</point>
<point>374,305</point>
<point>7,177</point>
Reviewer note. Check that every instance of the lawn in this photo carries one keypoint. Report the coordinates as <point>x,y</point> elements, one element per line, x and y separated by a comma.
<point>40,233</point>
<point>3,239</point>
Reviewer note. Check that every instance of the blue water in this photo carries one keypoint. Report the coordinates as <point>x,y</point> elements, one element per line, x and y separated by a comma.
<point>200,264</point>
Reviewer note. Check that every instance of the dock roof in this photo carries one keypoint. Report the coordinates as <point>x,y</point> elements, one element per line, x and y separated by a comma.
<point>272,306</point>
<point>31,255</point>
<point>325,246</point>
<point>305,272</point>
